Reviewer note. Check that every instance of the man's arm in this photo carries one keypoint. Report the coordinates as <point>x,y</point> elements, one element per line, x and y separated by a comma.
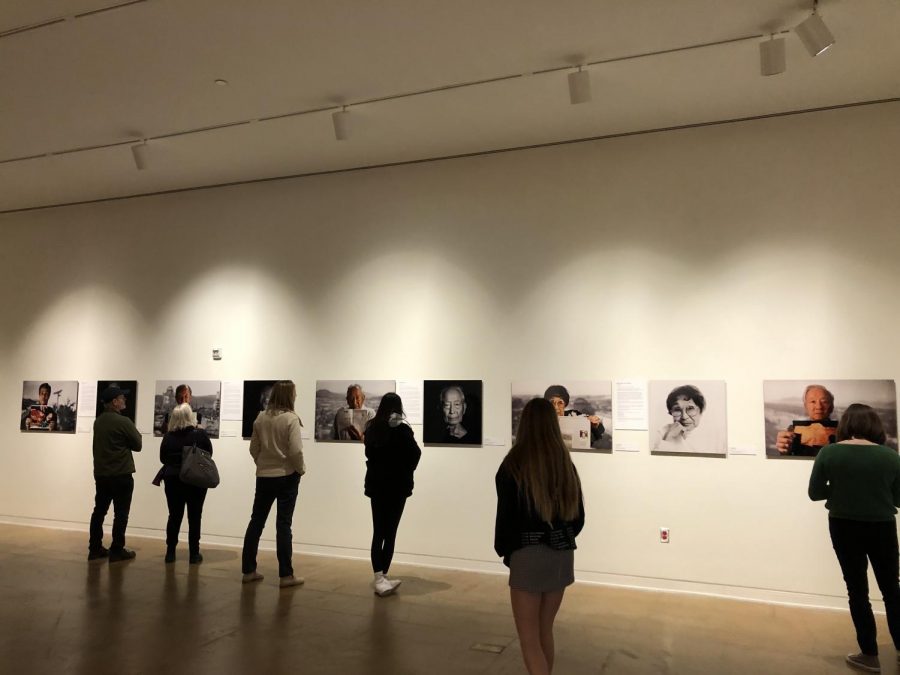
<point>132,435</point>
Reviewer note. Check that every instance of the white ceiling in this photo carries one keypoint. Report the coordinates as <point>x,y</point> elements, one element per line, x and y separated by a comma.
<point>148,69</point>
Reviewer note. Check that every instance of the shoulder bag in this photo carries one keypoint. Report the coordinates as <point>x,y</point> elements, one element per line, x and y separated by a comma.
<point>198,467</point>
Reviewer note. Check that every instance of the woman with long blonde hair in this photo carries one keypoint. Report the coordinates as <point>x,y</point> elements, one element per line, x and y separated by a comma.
<point>540,511</point>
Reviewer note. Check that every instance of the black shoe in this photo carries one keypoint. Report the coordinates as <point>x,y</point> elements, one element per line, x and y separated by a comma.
<point>170,555</point>
<point>121,554</point>
<point>99,553</point>
<point>196,558</point>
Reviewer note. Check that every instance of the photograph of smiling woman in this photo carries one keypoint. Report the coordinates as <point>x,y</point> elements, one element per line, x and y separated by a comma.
<point>688,417</point>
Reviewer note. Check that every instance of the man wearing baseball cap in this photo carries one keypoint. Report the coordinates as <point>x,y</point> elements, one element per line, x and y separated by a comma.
<point>115,438</point>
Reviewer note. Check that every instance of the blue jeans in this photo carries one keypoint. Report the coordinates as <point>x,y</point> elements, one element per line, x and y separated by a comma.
<point>282,490</point>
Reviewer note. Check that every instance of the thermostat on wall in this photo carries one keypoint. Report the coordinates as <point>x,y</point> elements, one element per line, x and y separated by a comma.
<point>217,354</point>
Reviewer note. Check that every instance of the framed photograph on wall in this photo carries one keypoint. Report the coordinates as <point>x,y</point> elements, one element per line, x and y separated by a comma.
<point>688,417</point>
<point>584,408</point>
<point>343,407</point>
<point>130,388</point>
<point>801,416</point>
<point>452,412</point>
<point>204,396</point>
<point>49,406</point>
<point>256,398</point>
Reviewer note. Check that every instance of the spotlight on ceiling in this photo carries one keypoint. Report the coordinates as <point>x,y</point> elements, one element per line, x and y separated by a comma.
<point>341,122</point>
<point>814,34</point>
<point>579,86</point>
<point>771,57</point>
<point>139,154</point>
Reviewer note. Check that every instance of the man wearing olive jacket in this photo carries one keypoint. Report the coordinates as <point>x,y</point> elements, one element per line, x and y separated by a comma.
<point>115,438</point>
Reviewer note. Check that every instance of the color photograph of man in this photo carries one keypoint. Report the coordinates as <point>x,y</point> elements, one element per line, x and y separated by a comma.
<point>344,407</point>
<point>48,407</point>
<point>801,417</point>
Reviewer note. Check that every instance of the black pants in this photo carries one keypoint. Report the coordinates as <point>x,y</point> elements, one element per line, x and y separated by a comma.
<point>386,513</point>
<point>855,543</point>
<point>116,490</point>
<point>282,490</point>
<point>179,495</point>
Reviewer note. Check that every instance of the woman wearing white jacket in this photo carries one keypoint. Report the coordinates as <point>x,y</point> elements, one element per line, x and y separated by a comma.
<point>278,452</point>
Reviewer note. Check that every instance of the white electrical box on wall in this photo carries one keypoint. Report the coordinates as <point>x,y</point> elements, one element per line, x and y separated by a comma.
<point>664,535</point>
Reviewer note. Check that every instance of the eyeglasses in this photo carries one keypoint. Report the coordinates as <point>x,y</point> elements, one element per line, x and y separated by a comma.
<point>689,410</point>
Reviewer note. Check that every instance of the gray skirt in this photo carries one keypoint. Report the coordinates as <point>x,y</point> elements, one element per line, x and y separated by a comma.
<point>541,569</point>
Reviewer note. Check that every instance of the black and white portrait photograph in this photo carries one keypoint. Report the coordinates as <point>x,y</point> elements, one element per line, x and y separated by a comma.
<point>49,406</point>
<point>204,397</point>
<point>344,407</point>
<point>584,408</point>
<point>256,398</point>
<point>802,415</point>
<point>688,417</point>
<point>130,389</point>
<point>452,412</point>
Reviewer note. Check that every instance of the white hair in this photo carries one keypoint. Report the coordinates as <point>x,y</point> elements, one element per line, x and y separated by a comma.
<point>182,417</point>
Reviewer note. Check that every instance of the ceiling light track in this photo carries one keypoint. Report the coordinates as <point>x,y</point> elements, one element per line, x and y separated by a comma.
<point>342,108</point>
<point>62,19</point>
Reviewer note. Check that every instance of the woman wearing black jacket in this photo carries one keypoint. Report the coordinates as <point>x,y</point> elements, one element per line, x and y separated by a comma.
<point>392,455</point>
<point>540,511</point>
<point>182,432</point>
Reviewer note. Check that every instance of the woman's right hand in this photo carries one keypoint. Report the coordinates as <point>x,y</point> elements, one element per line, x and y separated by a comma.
<point>673,432</point>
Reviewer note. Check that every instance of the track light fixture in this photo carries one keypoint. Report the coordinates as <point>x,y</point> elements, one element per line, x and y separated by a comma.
<point>579,86</point>
<point>139,155</point>
<point>814,34</point>
<point>771,56</point>
<point>341,121</point>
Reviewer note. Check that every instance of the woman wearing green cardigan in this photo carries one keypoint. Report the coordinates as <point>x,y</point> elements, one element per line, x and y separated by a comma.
<point>860,479</point>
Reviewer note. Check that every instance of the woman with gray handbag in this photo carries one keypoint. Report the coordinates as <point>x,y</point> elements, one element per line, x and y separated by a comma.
<point>182,433</point>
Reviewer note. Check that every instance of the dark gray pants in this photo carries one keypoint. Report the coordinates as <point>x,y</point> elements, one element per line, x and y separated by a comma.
<point>115,490</point>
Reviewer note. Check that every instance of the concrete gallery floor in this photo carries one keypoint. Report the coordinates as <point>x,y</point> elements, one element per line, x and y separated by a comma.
<point>61,614</point>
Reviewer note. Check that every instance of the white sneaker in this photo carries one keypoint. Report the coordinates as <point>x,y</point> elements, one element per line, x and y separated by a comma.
<point>382,586</point>
<point>394,583</point>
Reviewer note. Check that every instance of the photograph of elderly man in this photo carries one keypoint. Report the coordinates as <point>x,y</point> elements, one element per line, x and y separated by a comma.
<point>344,407</point>
<point>801,416</point>
<point>452,413</point>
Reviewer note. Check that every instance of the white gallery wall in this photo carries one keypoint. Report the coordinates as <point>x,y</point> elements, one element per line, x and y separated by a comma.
<point>743,252</point>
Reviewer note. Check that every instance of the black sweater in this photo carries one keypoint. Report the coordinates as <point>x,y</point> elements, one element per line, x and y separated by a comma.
<point>518,525</point>
<point>391,459</point>
<point>174,442</point>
